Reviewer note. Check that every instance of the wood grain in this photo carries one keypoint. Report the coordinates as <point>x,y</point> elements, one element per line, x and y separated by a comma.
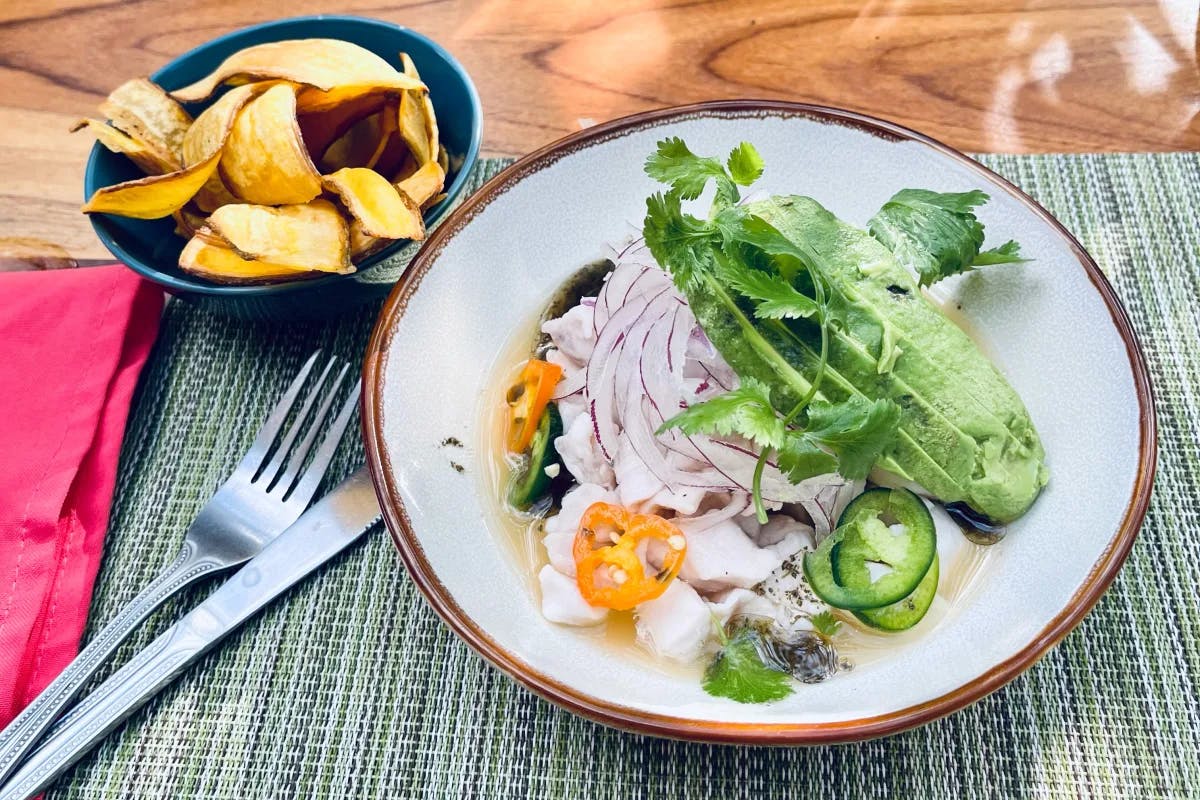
<point>1071,75</point>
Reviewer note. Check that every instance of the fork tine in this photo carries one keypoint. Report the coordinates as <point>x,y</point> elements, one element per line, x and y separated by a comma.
<point>311,479</point>
<point>270,429</point>
<point>272,469</point>
<point>287,475</point>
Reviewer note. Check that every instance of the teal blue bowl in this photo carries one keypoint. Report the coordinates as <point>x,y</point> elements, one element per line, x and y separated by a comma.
<point>151,248</point>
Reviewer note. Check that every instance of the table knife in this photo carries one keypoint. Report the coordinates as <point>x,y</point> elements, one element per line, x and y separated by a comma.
<point>333,523</point>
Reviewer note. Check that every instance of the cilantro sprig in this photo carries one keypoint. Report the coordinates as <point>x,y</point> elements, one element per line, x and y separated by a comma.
<point>749,257</point>
<point>825,624</point>
<point>937,234</point>
<point>688,173</point>
<point>746,411</point>
<point>739,672</point>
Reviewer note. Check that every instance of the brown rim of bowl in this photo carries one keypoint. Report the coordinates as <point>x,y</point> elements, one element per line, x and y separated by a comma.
<point>1103,572</point>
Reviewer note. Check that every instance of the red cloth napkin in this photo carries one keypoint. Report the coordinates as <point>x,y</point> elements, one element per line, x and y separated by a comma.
<point>72,343</point>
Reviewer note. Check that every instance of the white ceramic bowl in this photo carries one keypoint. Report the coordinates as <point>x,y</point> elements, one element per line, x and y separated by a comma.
<point>1054,327</point>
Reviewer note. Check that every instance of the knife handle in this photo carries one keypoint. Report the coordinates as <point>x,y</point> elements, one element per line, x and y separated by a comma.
<point>21,735</point>
<point>125,692</point>
<point>332,524</point>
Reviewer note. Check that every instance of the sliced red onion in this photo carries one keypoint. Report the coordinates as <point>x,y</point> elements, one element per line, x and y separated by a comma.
<point>620,288</point>
<point>739,502</point>
<point>641,419</point>
<point>601,370</point>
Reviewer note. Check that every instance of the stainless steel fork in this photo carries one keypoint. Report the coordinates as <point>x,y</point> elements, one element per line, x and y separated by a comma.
<point>267,492</point>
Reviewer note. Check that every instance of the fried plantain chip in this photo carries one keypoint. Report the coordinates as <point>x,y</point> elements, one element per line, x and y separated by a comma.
<point>212,128</point>
<point>424,184</point>
<point>265,161</point>
<point>363,144</point>
<point>394,161</point>
<point>381,209</point>
<point>389,132</point>
<point>217,263</point>
<point>309,236</point>
<point>413,122</point>
<point>161,195</point>
<point>315,101</point>
<point>363,245</point>
<point>444,159</point>
<point>214,194</point>
<point>323,64</point>
<point>148,160</point>
<point>322,128</point>
<point>412,128</point>
<point>188,220</point>
<point>431,125</point>
<point>143,111</point>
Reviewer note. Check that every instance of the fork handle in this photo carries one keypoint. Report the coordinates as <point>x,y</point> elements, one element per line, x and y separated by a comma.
<point>24,732</point>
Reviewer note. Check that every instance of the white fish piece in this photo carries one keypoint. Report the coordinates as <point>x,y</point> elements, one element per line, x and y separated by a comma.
<point>560,529</point>
<point>562,602</point>
<point>785,536</point>
<point>676,625</point>
<point>574,332</point>
<point>581,454</point>
<point>684,500</point>
<point>735,503</point>
<point>750,525</point>
<point>779,527</point>
<point>740,603</point>
<point>792,542</point>
<point>788,592</point>
<point>569,365</point>
<point>635,482</point>
<point>722,556</point>
<point>570,408</point>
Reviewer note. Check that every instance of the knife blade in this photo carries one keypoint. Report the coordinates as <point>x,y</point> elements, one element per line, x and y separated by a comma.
<point>332,524</point>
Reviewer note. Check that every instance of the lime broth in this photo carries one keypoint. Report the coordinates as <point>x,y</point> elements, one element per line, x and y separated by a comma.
<point>521,533</point>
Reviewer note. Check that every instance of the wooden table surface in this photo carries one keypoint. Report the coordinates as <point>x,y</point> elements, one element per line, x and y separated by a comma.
<point>1064,75</point>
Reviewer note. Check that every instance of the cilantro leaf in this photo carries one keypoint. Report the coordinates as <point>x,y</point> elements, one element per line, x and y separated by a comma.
<point>681,243</point>
<point>776,298</point>
<point>825,624</point>
<point>739,673</point>
<point>856,430</point>
<point>745,164</point>
<point>1007,253</point>
<point>687,173</point>
<point>800,459</point>
<point>937,234</point>
<point>757,232</point>
<point>746,411</point>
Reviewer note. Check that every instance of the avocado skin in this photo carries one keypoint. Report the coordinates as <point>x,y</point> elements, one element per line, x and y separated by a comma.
<point>965,436</point>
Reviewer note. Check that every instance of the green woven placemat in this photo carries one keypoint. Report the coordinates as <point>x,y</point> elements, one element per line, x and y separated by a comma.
<point>350,686</point>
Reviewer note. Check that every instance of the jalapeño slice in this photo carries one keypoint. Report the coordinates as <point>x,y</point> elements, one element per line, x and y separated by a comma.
<point>532,483</point>
<point>902,615</point>
<point>888,529</point>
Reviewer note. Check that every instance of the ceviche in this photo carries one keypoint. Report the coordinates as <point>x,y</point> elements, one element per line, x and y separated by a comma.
<point>752,441</point>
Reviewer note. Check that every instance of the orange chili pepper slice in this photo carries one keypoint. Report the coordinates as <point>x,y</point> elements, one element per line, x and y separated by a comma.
<point>606,547</point>
<point>527,401</point>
